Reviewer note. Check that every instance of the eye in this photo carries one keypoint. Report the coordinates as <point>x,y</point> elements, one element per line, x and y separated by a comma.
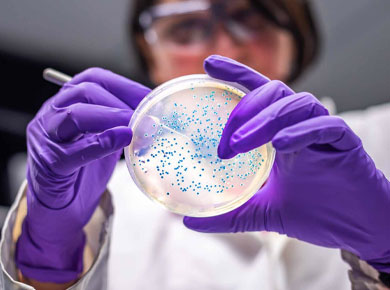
<point>188,31</point>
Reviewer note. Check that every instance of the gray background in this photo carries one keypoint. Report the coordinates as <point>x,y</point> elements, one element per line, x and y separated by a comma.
<point>353,67</point>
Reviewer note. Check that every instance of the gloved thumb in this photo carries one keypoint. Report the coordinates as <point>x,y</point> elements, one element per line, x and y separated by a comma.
<point>256,214</point>
<point>227,69</point>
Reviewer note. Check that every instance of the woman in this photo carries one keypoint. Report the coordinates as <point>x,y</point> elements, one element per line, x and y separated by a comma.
<point>75,141</point>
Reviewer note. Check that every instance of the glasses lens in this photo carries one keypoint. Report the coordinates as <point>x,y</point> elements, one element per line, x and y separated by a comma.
<point>253,21</point>
<point>183,30</point>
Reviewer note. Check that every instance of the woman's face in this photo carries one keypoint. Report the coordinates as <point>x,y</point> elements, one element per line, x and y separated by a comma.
<point>268,49</point>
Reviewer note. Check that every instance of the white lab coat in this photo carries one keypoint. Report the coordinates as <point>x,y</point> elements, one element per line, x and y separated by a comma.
<point>151,249</point>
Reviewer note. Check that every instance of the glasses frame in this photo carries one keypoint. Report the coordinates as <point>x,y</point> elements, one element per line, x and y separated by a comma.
<point>218,9</point>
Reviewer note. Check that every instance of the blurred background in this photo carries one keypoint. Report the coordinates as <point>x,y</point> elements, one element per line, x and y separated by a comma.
<point>353,67</point>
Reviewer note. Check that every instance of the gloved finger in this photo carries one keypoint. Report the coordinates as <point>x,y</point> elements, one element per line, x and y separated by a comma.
<point>65,124</point>
<point>283,113</point>
<point>320,130</point>
<point>257,214</point>
<point>247,108</point>
<point>227,69</point>
<point>87,149</point>
<point>90,93</point>
<point>130,92</point>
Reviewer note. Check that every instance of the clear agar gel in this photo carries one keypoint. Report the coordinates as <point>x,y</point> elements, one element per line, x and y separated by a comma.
<point>173,154</point>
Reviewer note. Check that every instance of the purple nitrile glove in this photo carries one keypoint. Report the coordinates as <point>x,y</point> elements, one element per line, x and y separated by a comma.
<point>323,188</point>
<point>73,143</point>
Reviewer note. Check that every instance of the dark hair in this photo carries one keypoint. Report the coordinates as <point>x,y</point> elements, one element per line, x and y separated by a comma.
<point>135,29</point>
<point>300,23</point>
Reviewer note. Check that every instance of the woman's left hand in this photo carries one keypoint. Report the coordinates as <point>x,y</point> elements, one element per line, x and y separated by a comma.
<point>323,189</point>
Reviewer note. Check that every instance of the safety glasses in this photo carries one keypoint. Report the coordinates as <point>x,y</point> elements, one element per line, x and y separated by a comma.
<point>189,24</point>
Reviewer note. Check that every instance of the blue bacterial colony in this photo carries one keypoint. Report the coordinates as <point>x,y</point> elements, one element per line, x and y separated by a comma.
<point>174,153</point>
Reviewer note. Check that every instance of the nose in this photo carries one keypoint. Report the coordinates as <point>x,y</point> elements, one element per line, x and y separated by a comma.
<point>225,44</point>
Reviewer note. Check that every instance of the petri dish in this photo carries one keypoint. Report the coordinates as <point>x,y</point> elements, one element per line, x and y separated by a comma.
<point>173,154</point>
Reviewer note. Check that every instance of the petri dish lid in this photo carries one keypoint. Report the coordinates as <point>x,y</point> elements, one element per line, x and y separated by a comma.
<point>173,154</point>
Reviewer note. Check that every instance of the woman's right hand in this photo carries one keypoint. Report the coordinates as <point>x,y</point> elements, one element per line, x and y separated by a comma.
<point>73,143</point>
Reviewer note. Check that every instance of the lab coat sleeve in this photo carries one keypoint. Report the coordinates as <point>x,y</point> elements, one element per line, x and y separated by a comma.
<point>95,255</point>
<point>362,275</point>
<point>372,126</point>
